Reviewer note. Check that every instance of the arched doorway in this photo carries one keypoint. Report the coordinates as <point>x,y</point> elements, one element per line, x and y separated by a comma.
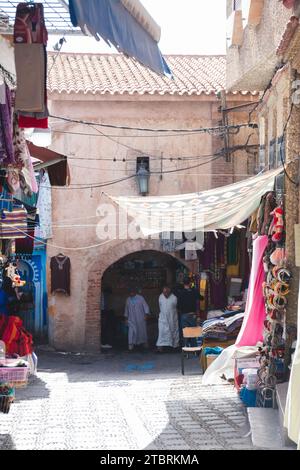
<point>148,271</point>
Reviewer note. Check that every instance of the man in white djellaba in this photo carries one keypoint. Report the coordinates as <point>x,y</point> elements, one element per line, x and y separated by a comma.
<point>168,329</point>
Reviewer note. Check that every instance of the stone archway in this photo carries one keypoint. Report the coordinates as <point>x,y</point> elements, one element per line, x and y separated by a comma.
<point>97,268</point>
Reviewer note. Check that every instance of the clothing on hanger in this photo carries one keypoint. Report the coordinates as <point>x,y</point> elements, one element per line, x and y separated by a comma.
<point>60,266</point>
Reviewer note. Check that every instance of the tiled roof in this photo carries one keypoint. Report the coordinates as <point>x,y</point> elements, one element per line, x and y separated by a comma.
<point>115,74</point>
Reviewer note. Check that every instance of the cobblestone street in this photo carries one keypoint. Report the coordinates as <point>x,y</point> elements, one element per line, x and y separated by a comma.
<point>122,401</point>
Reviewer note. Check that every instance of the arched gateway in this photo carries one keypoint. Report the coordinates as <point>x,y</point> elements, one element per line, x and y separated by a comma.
<point>137,262</point>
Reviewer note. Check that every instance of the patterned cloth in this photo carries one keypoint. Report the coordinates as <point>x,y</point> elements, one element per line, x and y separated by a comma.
<point>6,128</point>
<point>13,224</point>
<point>44,206</point>
<point>220,208</point>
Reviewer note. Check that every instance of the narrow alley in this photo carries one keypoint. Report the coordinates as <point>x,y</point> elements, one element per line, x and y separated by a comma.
<point>124,402</point>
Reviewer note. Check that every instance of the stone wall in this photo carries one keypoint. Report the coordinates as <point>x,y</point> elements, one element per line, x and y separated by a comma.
<point>251,66</point>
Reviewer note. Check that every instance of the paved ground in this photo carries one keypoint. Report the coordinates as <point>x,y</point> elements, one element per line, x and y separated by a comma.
<point>123,401</point>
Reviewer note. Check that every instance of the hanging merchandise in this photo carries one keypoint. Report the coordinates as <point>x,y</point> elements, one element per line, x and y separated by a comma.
<point>30,38</point>
<point>13,224</point>
<point>213,262</point>
<point>13,274</point>
<point>6,127</point>
<point>60,266</point>
<point>27,177</point>
<point>252,329</point>
<point>277,225</point>
<point>17,340</point>
<point>190,249</point>
<point>44,206</point>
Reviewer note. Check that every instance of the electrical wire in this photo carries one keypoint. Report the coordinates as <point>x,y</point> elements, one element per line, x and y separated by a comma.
<point>89,247</point>
<point>136,136</point>
<point>153,157</point>
<point>120,180</point>
<point>145,129</point>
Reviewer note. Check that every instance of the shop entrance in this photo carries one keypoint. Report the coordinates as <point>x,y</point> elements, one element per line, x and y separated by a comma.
<point>148,271</point>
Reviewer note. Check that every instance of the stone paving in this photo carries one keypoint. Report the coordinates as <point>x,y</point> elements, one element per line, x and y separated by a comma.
<point>123,401</point>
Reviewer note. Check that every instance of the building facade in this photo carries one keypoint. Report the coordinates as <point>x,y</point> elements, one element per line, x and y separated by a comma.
<point>263,55</point>
<point>265,59</point>
<point>114,90</point>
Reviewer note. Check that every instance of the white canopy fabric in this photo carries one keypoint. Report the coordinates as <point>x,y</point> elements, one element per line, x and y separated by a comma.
<point>216,209</point>
<point>143,17</point>
<point>292,411</point>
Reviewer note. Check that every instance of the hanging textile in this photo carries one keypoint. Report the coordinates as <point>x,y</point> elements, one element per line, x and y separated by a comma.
<point>255,313</point>
<point>119,25</point>
<point>60,266</point>
<point>292,411</point>
<point>13,224</point>
<point>30,38</point>
<point>213,263</point>
<point>44,205</point>
<point>6,127</point>
<point>220,208</point>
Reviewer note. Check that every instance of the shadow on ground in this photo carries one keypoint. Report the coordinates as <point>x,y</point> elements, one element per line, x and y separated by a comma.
<point>124,365</point>
<point>6,442</point>
<point>36,390</point>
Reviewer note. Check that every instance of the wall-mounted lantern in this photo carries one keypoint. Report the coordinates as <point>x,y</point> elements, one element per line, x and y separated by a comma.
<point>143,175</point>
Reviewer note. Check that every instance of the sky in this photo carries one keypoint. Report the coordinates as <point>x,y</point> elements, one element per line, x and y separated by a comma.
<point>188,27</point>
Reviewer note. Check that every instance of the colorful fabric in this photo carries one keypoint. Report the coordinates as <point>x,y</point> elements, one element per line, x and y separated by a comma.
<point>13,224</point>
<point>30,38</point>
<point>255,314</point>
<point>6,129</point>
<point>17,340</point>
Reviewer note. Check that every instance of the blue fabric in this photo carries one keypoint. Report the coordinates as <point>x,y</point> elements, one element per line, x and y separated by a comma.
<point>248,397</point>
<point>3,302</point>
<point>216,350</point>
<point>110,20</point>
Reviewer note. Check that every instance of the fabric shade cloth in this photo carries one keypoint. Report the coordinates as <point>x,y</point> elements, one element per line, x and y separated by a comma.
<point>255,314</point>
<point>59,173</point>
<point>220,208</point>
<point>124,24</point>
<point>292,411</point>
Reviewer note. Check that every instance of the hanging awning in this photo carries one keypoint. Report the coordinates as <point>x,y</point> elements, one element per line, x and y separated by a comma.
<point>124,24</point>
<point>216,209</point>
<point>55,163</point>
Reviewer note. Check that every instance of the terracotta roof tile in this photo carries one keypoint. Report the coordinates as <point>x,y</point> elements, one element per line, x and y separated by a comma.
<point>115,74</point>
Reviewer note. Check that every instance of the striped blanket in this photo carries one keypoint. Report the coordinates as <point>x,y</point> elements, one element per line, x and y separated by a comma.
<point>13,224</point>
